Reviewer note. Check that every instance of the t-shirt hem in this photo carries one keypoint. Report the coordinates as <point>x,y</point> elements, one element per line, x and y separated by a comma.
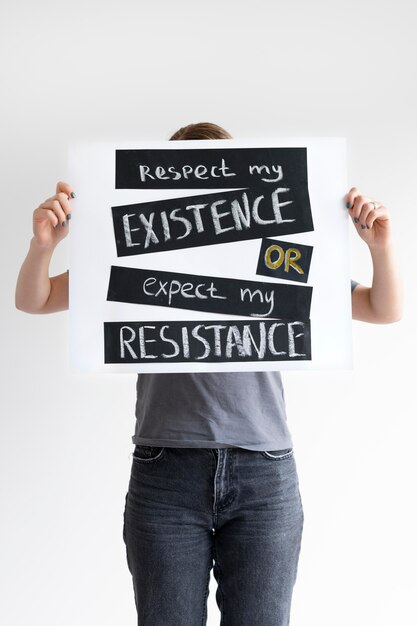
<point>183,443</point>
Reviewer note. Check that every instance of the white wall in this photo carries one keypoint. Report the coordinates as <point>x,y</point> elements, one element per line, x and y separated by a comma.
<point>136,69</point>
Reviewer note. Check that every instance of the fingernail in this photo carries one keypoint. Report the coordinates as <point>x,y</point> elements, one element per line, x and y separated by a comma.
<point>356,220</point>
<point>348,205</point>
<point>69,216</point>
<point>63,223</point>
<point>72,194</point>
<point>363,226</point>
<point>56,225</point>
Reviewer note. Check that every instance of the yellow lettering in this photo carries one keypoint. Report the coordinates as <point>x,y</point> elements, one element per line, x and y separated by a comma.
<point>291,260</point>
<point>274,264</point>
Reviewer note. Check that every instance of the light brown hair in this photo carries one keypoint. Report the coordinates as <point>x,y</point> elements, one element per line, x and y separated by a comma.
<point>201,130</point>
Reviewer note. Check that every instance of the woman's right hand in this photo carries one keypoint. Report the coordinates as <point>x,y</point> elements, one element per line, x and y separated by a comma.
<point>51,218</point>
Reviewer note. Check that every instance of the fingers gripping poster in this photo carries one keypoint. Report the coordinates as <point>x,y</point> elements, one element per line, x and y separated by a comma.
<point>209,255</point>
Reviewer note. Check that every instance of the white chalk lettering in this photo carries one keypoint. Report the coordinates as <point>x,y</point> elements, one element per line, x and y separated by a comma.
<point>149,230</point>
<point>184,172</point>
<point>143,341</point>
<point>160,171</point>
<point>185,342</point>
<point>206,344</point>
<point>211,291</point>
<point>200,295</point>
<point>276,206</point>
<point>127,342</point>
<point>196,173</point>
<point>275,168</point>
<point>242,217</point>
<point>162,288</point>
<point>255,213</point>
<point>291,339</point>
<point>267,298</point>
<point>252,294</point>
<point>165,226</point>
<point>271,345</point>
<point>217,339</point>
<point>187,287</point>
<point>172,170</point>
<point>144,171</point>
<point>196,208</point>
<point>187,223</point>
<point>216,217</point>
<point>128,230</point>
<point>187,169</point>
<point>151,280</point>
<point>174,343</point>
<point>234,340</point>
<point>248,341</point>
<point>225,341</point>
<point>176,287</point>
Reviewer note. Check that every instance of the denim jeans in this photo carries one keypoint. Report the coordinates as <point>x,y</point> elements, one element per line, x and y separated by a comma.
<point>190,509</point>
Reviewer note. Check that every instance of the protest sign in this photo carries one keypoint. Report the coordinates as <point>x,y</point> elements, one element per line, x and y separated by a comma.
<point>214,255</point>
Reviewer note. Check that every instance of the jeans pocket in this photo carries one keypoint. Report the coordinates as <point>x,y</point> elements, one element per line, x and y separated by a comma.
<point>148,454</point>
<point>278,455</point>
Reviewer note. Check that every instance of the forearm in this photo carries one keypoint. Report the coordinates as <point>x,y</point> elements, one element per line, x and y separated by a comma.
<point>386,293</point>
<point>33,283</point>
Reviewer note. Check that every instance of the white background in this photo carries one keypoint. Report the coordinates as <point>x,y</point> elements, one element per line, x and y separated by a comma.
<point>91,169</point>
<point>95,70</point>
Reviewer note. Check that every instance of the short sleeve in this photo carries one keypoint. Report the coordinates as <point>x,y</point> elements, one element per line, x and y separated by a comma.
<point>353,284</point>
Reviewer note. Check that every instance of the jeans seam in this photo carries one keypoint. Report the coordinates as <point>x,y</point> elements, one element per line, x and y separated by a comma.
<point>301,539</point>
<point>271,456</point>
<point>216,466</point>
<point>154,458</point>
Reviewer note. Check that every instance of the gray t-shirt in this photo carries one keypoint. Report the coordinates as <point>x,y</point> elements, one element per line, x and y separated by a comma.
<point>212,410</point>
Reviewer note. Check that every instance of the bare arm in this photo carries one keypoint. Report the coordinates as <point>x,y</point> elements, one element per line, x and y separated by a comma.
<point>382,303</point>
<point>36,292</point>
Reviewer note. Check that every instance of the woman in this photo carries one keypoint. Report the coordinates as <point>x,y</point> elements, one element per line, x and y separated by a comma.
<point>213,479</point>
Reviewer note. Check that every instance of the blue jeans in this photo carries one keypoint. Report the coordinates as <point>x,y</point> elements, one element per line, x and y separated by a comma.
<point>190,509</point>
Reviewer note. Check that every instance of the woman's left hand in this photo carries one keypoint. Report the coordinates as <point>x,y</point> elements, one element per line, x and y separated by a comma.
<point>370,217</point>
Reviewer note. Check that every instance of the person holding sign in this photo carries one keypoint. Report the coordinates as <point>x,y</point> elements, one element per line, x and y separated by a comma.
<point>214,480</point>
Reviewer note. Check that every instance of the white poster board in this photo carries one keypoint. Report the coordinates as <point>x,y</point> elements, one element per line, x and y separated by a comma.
<point>140,333</point>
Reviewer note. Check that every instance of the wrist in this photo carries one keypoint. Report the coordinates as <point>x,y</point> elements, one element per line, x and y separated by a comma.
<point>384,247</point>
<point>41,248</point>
